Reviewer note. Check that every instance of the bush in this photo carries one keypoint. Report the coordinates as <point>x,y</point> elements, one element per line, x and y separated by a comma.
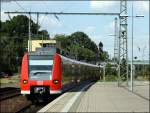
<point>111,78</point>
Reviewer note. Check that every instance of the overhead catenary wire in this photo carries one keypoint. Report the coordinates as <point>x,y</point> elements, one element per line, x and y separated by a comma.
<point>22,8</point>
<point>66,13</point>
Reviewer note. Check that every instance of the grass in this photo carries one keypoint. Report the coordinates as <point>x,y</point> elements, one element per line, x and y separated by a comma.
<point>141,78</point>
<point>112,78</point>
<point>12,79</point>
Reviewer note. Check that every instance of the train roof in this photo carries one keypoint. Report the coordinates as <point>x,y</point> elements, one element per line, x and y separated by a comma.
<point>78,62</point>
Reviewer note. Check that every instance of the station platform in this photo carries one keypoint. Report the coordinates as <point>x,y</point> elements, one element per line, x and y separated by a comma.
<point>99,97</point>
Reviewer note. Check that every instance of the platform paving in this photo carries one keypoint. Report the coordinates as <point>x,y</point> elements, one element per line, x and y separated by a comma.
<point>106,97</point>
<point>142,88</point>
<point>100,97</point>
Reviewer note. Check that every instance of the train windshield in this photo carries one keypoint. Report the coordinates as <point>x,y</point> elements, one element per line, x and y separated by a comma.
<point>40,67</point>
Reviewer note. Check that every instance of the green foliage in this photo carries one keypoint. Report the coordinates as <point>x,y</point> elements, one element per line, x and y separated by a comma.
<point>110,73</point>
<point>100,45</point>
<point>111,78</point>
<point>104,56</point>
<point>13,41</point>
<point>78,45</point>
<point>141,72</point>
<point>18,25</point>
<point>110,70</point>
<point>43,34</point>
<point>84,41</point>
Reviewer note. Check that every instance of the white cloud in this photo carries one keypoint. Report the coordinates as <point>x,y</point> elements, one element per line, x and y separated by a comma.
<point>98,5</point>
<point>49,23</point>
<point>110,28</point>
<point>4,16</point>
<point>142,6</point>
<point>89,29</point>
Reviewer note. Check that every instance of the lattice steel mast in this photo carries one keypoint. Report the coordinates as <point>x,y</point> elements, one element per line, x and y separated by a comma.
<point>123,46</point>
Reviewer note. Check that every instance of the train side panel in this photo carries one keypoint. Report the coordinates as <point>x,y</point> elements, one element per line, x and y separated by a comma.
<point>25,86</point>
<point>56,84</point>
<point>74,72</point>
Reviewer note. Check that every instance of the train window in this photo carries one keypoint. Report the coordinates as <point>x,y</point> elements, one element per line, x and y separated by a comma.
<point>39,68</point>
<point>41,57</point>
<point>40,72</point>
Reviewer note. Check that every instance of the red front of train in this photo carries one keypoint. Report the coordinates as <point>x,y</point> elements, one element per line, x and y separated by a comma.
<point>41,73</point>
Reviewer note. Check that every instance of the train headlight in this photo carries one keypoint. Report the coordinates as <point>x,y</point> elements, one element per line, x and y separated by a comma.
<point>25,81</point>
<point>55,81</point>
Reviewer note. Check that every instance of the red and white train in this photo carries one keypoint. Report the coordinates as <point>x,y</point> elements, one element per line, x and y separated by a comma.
<point>47,72</point>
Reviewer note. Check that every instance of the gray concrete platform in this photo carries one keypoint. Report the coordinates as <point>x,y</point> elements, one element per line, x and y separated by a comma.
<point>100,97</point>
<point>105,97</point>
<point>142,88</point>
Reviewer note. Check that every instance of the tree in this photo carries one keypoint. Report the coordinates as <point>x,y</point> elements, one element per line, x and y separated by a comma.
<point>104,56</point>
<point>62,40</point>
<point>13,41</point>
<point>18,25</point>
<point>78,45</point>
<point>43,34</point>
<point>100,45</point>
<point>83,40</point>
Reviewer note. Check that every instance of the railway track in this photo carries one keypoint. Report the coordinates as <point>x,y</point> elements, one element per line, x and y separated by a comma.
<point>34,107</point>
<point>12,101</point>
<point>9,92</point>
<point>20,104</point>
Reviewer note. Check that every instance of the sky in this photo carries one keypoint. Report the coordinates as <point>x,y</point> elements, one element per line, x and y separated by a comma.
<point>98,28</point>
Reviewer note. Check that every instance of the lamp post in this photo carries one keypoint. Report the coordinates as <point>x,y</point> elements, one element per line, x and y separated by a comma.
<point>143,58</point>
<point>131,76</point>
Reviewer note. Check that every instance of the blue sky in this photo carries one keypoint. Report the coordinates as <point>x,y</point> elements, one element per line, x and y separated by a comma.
<point>97,27</point>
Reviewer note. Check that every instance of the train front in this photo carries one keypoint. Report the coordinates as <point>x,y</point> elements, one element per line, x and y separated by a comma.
<point>41,73</point>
